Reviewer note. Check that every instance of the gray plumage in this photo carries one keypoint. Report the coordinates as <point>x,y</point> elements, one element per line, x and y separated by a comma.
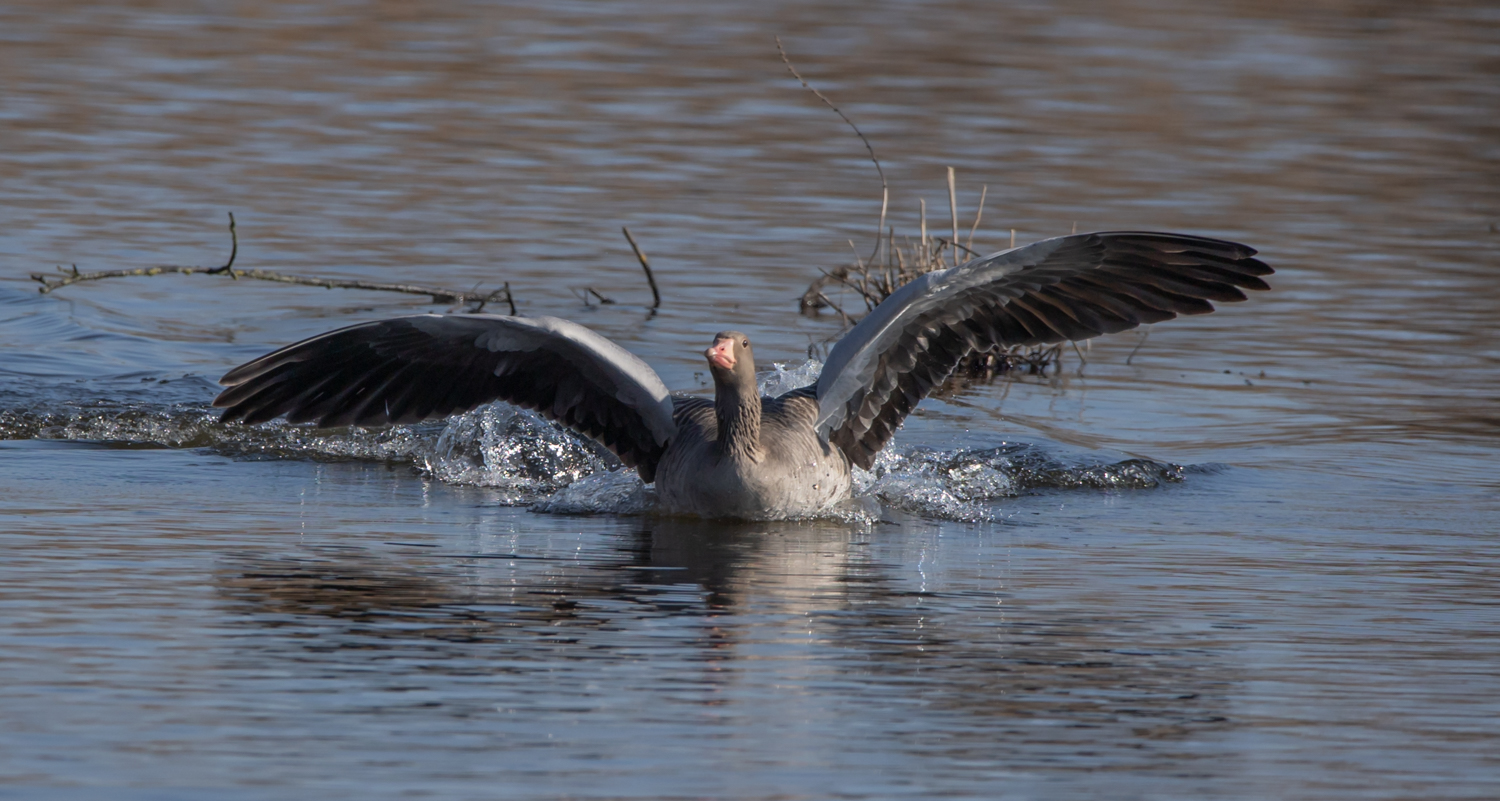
<point>1068,288</point>
<point>742,455</point>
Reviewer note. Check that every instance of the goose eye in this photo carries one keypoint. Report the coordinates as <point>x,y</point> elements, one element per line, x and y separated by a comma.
<point>745,343</point>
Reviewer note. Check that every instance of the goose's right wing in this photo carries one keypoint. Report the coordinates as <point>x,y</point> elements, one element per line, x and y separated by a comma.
<point>430,366</point>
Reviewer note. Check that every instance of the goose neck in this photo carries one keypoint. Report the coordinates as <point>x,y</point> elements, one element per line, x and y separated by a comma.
<point>738,415</point>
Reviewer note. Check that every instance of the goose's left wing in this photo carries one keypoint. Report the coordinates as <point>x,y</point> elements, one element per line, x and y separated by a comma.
<point>1068,288</point>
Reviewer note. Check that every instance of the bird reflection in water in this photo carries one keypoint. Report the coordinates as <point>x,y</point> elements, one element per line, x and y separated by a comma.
<point>803,606</point>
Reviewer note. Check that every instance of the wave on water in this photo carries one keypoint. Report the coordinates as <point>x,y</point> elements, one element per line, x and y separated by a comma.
<point>530,461</point>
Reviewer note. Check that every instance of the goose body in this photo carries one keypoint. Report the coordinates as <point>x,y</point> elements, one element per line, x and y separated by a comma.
<point>789,472</point>
<point>742,455</point>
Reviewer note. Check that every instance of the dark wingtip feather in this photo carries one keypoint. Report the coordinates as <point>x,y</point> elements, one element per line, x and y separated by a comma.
<point>406,370</point>
<point>1072,288</point>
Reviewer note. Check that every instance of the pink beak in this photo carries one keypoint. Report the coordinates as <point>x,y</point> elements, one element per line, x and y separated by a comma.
<point>721,354</point>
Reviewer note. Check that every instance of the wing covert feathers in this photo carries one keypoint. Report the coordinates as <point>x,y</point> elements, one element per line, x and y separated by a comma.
<point>1068,288</point>
<point>426,367</point>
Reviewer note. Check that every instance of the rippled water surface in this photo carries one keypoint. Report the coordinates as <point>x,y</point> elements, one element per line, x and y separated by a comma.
<point>1252,555</point>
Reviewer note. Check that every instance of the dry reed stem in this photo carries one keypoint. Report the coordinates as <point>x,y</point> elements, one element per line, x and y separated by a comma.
<point>923,201</point>
<point>857,277</point>
<point>983,193</point>
<point>874,281</point>
<point>953,210</point>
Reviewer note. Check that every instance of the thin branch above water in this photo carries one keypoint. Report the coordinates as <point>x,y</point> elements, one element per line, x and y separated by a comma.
<point>645,265</point>
<point>885,190</point>
<point>66,277</point>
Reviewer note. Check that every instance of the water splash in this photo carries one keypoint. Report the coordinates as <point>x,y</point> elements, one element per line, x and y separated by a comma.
<point>780,379</point>
<point>963,484</point>
<point>616,492</point>
<point>125,425</point>
<point>514,450</point>
<point>532,461</point>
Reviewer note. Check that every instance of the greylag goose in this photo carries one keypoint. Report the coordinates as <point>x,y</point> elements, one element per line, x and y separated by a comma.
<point>743,455</point>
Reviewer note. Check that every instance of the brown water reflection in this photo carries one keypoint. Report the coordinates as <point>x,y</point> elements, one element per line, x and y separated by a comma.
<point>1308,617</point>
<point>741,607</point>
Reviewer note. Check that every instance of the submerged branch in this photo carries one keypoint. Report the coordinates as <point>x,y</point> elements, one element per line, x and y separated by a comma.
<point>51,282</point>
<point>437,294</point>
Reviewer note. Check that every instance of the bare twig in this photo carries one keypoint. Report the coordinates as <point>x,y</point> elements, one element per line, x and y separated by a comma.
<point>603,301</point>
<point>1083,362</point>
<point>889,281</point>
<point>814,349</point>
<point>505,291</point>
<point>814,299</point>
<point>826,301</point>
<point>858,262</point>
<point>943,242</point>
<point>953,209</point>
<point>645,265</point>
<point>437,294</point>
<point>885,192</point>
<point>923,256</point>
<point>50,283</point>
<point>862,286</point>
<point>1145,333</point>
<point>234,250</point>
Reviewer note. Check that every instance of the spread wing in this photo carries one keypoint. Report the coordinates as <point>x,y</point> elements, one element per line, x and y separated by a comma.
<point>1068,288</point>
<point>429,366</point>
